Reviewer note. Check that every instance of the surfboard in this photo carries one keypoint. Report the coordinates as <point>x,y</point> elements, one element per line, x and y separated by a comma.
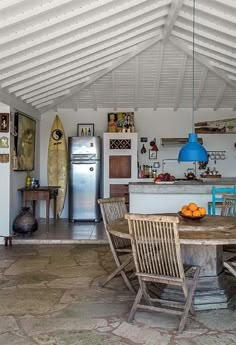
<point>58,162</point>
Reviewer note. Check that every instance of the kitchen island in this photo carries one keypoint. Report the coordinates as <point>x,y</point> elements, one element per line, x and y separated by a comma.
<point>149,197</point>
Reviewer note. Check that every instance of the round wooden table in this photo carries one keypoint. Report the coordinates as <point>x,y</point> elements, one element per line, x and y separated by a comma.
<point>201,244</point>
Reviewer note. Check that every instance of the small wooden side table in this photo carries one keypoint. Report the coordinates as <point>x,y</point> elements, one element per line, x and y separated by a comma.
<point>41,193</point>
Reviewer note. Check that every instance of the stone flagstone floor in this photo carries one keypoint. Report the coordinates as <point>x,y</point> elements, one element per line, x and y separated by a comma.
<point>51,295</point>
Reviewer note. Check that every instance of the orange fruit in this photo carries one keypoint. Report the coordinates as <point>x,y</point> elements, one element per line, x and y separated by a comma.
<point>192,206</point>
<point>188,213</point>
<point>184,208</point>
<point>202,210</point>
<point>196,213</point>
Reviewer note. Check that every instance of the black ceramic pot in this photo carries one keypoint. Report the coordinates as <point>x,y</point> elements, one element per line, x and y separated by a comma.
<point>25,221</point>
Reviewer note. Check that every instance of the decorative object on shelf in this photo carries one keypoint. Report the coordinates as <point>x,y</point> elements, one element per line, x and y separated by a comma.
<point>225,126</point>
<point>193,151</point>
<point>4,122</point>
<point>153,145</point>
<point>143,149</point>
<point>25,128</point>
<point>25,222</point>
<point>85,130</point>
<point>4,158</point>
<point>4,142</point>
<point>121,122</point>
<point>152,154</point>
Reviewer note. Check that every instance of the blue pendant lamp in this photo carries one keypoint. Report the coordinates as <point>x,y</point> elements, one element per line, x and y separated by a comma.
<point>193,151</point>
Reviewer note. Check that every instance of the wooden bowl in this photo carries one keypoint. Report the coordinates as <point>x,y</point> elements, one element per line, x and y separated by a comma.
<point>190,217</point>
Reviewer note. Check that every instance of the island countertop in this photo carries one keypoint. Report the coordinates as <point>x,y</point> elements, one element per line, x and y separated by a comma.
<point>150,197</point>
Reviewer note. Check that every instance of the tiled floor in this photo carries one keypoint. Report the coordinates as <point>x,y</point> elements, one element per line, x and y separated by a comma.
<point>62,231</point>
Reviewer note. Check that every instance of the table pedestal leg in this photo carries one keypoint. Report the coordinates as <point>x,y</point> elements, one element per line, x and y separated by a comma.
<point>214,289</point>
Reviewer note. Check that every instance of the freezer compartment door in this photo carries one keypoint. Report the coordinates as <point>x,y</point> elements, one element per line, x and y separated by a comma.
<point>84,190</point>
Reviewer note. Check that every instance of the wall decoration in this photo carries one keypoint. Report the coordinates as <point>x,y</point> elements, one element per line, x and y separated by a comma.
<point>85,129</point>
<point>226,126</point>
<point>4,142</point>
<point>4,122</point>
<point>152,154</point>
<point>25,128</point>
<point>120,122</point>
<point>4,158</point>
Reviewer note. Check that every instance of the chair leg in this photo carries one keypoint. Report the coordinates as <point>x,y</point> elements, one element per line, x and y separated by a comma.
<point>230,268</point>
<point>120,270</point>
<point>134,306</point>
<point>209,209</point>
<point>188,301</point>
<point>145,292</point>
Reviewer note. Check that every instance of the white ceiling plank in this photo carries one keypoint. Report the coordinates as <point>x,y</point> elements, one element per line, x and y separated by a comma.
<point>183,46</point>
<point>114,100</point>
<point>136,91</point>
<point>204,34</point>
<point>201,87</point>
<point>220,96</point>
<point>209,24</point>
<point>130,43</point>
<point>158,77</point>
<point>9,3</point>
<point>171,18</point>
<point>70,9</point>
<point>68,33</point>
<point>18,104</point>
<point>51,97</point>
<point>103,41</point>
<point>142,47</point>
<point>93,97</point>
<point>210,10</point>
<point>180,83</point>
<point>30,87</point>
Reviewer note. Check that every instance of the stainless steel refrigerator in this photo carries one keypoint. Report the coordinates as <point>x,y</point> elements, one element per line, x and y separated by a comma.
<point>84,178</point>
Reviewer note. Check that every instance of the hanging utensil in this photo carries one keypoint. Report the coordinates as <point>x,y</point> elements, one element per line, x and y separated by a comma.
<point>143,149</point>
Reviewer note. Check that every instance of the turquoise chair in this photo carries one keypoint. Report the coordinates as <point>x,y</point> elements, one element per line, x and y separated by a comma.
<point>217,198</point>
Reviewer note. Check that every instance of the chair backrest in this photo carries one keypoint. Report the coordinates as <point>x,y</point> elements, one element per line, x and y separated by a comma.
<point>217,195</point>
<point>229,205</point>
<point>111,209</point>
<point>155,245</point>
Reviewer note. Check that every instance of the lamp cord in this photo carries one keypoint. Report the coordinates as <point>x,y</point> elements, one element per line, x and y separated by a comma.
<point>193,66</point>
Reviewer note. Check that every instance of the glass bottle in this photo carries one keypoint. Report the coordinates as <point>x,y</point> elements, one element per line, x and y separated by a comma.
<point>28,180</point>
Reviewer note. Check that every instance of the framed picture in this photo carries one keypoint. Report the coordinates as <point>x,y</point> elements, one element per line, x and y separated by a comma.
<point>4,142</point>
<point>85,129</point>
<point>4,122</point>
<point>25,129</point>
<point>152,154</point>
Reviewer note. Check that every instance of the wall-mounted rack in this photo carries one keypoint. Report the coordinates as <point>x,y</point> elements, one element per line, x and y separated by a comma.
<point>176,141</point>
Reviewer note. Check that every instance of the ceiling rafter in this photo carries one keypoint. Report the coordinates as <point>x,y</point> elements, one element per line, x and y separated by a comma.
<point>171,18</point>
<point>201,87</point>
<point>220,96</point>
<point>180,83</point>
<point>183,46</point>
<point>114,65</point>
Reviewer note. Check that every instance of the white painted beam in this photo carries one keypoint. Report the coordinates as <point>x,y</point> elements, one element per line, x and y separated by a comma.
<point>184,47</point>
<point>201,87</point>
<point>220,96</point>
<point>171,18</point>
<point>118,62</point>
<point>158,77</point>
<point>180,83</point>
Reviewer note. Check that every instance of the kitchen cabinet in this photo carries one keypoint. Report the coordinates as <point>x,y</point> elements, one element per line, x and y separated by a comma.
<point>120,161</point>
<point>120,190</point>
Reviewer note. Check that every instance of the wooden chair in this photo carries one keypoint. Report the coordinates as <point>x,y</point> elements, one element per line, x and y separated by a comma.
<point>111,209</point>
<point>157,258</point>
<point>229,209</point>
<point>217,198</point>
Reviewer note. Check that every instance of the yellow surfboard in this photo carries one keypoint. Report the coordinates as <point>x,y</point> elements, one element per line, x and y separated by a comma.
<point>58,162</point>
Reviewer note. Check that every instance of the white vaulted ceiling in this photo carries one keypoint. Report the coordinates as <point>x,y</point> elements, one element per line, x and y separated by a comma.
<point>117,54</point>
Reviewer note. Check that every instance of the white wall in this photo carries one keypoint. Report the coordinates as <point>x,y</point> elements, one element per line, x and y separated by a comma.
<point>4,185</point>
<point>150,124</point>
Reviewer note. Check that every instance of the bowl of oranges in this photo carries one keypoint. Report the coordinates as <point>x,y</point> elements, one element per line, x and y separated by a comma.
<point>192,211</point>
